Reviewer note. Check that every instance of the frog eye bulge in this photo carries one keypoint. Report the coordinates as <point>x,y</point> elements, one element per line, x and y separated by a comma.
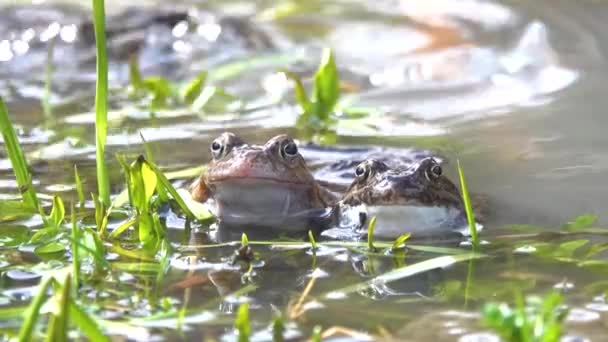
<point>216,149</point>
<point>436,170</point>
<point>433,172</point>
<point>290,149</point>
<point>361,171</point>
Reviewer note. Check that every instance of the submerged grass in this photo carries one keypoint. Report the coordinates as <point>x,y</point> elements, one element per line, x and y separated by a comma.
<point>101,102</point>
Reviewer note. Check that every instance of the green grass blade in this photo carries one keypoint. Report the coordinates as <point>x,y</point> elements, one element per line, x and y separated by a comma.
<point>15,154</point>
<point>79,187</point>
<point>101,101</point>
<point>242,324</point>
<point>313,242</point>
<point>86,324</point>
<point>75,251</point>
<point>326,88</point>
<point>370,234</point>
<point>467,206</point>
<point>171,190</point>
<point>58,329</point>
<point>33,311</point>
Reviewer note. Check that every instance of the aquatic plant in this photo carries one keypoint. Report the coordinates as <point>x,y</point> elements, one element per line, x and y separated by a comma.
<point>316,112</point>
<point>536,320</point>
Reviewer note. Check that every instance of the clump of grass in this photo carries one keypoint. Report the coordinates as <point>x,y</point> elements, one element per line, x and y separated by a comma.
<point>468,208</point>
<point>537,320</point>
<point>101,102</point>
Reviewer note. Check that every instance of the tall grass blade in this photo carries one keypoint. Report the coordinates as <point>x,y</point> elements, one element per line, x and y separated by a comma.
<point>75,251</point>
<point>33,311</point>
<point>467,206</point>
<point>15,154</point>
<point>370,234</point>
<point>101,101</point>
<point>242,324</point>
<point>58,329</point>
<point>79,187</point>
<point>86,324</point>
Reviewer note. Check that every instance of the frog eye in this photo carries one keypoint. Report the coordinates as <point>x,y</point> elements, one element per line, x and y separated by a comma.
<point>435,171</point>
<point>289,150</point>
<point>217,148</point>
<point>361,171</point>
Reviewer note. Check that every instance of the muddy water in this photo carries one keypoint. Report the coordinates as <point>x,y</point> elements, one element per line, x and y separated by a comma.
<point>514,90</point>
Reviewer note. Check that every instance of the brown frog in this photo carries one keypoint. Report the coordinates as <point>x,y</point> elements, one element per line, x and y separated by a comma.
<point>262,185</point>
<point>416,198</point>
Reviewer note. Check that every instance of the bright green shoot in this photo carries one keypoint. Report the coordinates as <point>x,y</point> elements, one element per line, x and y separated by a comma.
<point>101,102</point>
<point>313,242</point>
<point>468,207</point>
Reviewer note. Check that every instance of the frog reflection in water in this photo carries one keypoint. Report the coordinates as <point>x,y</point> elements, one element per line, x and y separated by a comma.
<point>267,185</point>
<point>415,198</point>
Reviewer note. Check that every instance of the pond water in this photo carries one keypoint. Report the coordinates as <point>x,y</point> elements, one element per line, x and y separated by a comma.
<point>514,90</point>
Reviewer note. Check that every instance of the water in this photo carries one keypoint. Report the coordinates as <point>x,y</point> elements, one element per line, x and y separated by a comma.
<point>513,90</point>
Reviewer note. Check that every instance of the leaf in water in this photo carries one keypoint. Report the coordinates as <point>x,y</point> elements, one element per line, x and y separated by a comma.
<point>199,210</point>
<point>161,178</point>
<point>567,249</point>
<point>595,249</point>
<point>407,271</point>
<point>581,222</point>
<point>58,212</point>
<point>51,247</point>
<point>191,90</point>
<point>241,323</point>
<point>11,210</point>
